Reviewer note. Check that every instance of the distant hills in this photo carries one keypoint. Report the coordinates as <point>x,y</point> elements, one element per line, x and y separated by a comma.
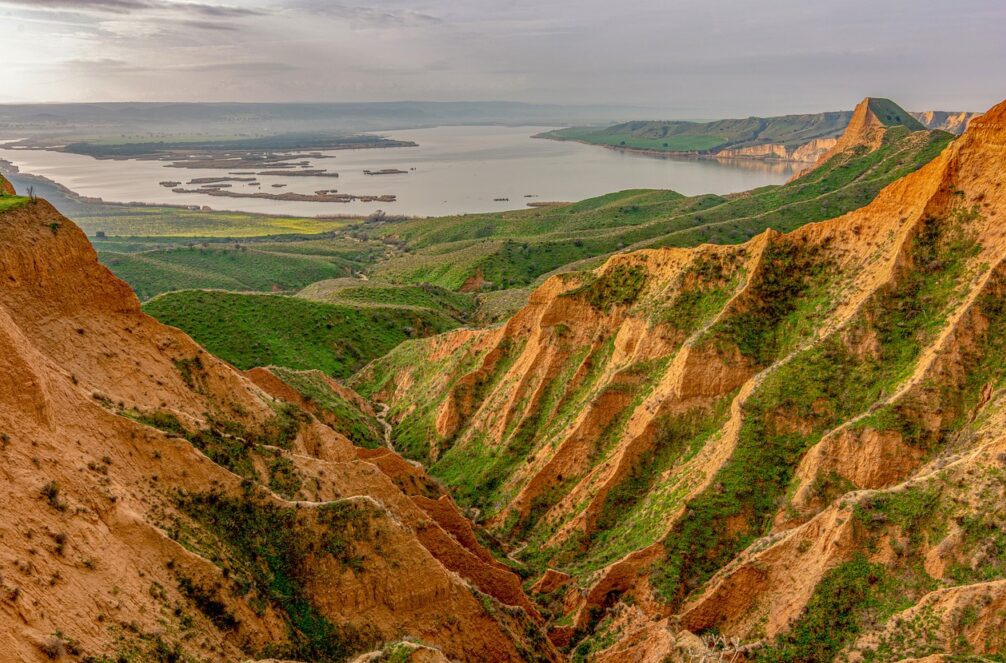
<point>802,138</point>
<point>113,120</point>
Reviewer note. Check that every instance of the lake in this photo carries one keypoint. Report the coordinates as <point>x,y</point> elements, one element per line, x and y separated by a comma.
<point>454,170</point>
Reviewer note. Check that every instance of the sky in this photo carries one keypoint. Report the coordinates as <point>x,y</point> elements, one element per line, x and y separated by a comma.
<point>687,58</point>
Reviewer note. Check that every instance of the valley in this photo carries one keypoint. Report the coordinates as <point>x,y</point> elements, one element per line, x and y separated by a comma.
<point>645,426</point>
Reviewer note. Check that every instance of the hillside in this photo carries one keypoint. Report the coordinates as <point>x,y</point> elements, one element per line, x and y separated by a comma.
<point>800,138</point>
<point>869,126</point>
<point>157,505</point>
<point>250,330</point>
<point>794,447</point>
<point>515,249</point>
<point>787,132</point>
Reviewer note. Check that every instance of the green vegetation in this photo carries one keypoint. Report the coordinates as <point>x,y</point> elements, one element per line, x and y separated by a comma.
<point>683,136</point>
<point>166,221</point>
<point>849,595</point>
<point>154,265</point>
<point>8,199</point>
<point>355,292</point>
<point>515,249</point>
<point>822,386</point>
<point>268,550</point>
<point>362,429</point>
<point>12,202</point>
<point>270,330</point>
<point>619,286</point>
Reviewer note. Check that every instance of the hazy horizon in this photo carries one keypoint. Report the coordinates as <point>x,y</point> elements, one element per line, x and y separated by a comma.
<point>683,59</point>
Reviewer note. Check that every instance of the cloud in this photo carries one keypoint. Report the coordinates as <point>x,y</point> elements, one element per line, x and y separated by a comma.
<point>368,15</point>
<point>127,6</point>
<point>243,67</point>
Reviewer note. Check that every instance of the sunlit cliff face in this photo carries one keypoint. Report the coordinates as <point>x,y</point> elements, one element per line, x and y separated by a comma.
<point>693,59</point>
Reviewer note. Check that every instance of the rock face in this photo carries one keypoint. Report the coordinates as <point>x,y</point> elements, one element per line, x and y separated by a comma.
<point>809,152</point>
<point>158,505</point>
<point>798,443</point>
<point>953,122</point>
<point>6,188</point>
<point>870,119</point>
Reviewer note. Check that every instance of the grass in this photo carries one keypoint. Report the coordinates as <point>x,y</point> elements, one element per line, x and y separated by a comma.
<point>822,386</point>
<point>705,137</point>
<point>270,549</point>
<point>154,221</point>
<point>231,267</point>
<point>271,330</point>
<point>355,292</point>
<point>8,203</point>
<point>362,429</point>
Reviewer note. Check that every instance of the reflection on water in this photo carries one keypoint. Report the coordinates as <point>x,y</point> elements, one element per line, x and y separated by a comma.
<point>784,169</point>
<point>453,170</point>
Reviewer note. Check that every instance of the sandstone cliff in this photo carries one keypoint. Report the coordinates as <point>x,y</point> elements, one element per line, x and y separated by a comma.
<point>954,122</point>
<point>796,444</point>
<point>158,505</point>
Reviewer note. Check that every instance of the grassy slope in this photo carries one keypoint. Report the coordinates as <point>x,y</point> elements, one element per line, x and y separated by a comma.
<point>156,265</point>
<point>364,430</point>
<point>181,222</point>
<point>681,136</point>
<point>514,249</point>
<point>355,292</point>
<point>7,200</point>
<point>263,330</point>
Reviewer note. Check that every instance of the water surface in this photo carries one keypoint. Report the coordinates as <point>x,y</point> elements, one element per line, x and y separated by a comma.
<point>457,169</point>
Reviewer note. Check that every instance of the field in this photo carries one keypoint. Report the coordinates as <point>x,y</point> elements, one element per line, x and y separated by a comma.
<point>143,221</point>
<point>251,330</point>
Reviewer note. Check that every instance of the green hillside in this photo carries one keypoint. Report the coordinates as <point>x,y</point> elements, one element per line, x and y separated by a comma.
<point>153,267</point>
<point>355,292</point>
<point>514,249</point>
<point>251,330</point>
<point>891,114</point>
<point>683,136</point>
<point>361,428</point>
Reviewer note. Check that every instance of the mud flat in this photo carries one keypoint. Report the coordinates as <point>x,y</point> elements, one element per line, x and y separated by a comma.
<point>296,197</point>
<point>307,172</point>
<point>217,180</point>
<point>386,171</point>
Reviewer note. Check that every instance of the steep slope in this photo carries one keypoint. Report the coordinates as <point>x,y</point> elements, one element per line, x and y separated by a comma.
<point>797,442</point>
<point>158,505</point>
<point>868,125</point>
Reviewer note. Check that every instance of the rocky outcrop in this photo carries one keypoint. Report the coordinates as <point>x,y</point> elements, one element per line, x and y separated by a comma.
<point>953,122</point>
<point>6,188</point>
<point>154,499</point>
<point>809,152</point>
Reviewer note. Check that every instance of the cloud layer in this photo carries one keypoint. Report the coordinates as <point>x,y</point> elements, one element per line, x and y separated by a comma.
<point>688,58</point>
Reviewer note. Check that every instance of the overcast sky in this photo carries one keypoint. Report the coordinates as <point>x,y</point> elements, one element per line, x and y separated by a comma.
<point>690,58</point>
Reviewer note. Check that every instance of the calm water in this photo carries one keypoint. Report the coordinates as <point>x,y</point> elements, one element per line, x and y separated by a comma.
<point>457,170</point>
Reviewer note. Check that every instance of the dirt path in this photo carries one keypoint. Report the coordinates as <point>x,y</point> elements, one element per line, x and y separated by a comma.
<point>381,413</point>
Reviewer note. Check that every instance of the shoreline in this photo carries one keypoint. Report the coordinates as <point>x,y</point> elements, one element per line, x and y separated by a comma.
<point>683,156</point>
